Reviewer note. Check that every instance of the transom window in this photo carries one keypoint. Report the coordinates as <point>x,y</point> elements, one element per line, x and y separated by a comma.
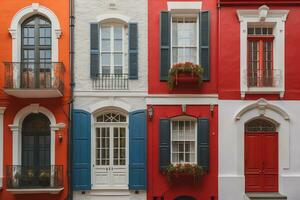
<point>111,45</point>
<point>111,117</point>
<point>260,125</point>
<point>184,39</point>
<point>183,141</point>
<point>260,57</point>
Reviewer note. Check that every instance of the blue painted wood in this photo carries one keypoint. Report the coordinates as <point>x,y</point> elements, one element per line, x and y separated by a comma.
<point>204,40</point>
<point>138,150</point>
<point>133,50</point>
<point>95,55</point>
<point>164,143</point>
<point>81,154</point>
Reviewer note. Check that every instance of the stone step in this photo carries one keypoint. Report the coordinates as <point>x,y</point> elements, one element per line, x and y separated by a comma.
<point>265,196</point>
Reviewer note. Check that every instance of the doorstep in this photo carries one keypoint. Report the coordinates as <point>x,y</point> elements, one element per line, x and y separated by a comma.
<point>265,196</point>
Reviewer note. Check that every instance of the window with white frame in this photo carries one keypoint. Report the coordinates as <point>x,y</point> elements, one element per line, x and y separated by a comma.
<point>112,48</point>
<point>183,140</point>
<point>184,39</point>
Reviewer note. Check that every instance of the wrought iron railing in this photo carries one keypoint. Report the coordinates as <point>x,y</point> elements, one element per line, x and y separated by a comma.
<point>263,78</point>
<point>28,177</point>
<point>31,75</point>
<point>110,82</point>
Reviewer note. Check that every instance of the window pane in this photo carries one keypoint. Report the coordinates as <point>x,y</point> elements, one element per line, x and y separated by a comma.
<point>118,59</point>
<point>118,33</point>
<point>118,70</point>
<point>118,45</point>
<point>105,32</point>
<point>105,45</point>
<point>105,58</point>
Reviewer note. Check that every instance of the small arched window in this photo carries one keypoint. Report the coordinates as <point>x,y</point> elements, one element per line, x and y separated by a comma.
<point>111,117</point>
<point>259,125</point>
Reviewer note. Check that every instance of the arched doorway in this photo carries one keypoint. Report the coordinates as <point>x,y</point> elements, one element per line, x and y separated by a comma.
<point>261,156</point>
<point>36,153</point>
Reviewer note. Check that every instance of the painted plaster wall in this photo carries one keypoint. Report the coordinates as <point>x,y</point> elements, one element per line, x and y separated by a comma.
<point>231,148</point>
<point>229,72</point>
<point>86,12</point>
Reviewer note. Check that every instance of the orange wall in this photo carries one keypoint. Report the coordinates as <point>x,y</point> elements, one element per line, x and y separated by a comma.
<point>58,106</point>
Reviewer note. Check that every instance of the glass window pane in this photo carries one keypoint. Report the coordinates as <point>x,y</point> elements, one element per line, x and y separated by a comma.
<point>118,45</point>
<point>105,45</point>
<point>105,58</point>
<point>105,32</point>
<point>118,70</point>
<point>118,33</point>
<point>118,59</point>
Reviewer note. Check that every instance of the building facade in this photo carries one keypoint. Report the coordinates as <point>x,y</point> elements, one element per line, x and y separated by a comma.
<point>258,97</point>
<point>109,118</point>
<point>34,99</point>
<point>183,115</point>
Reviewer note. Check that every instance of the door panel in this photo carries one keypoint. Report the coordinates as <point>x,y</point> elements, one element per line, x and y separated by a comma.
<point>261,162</point>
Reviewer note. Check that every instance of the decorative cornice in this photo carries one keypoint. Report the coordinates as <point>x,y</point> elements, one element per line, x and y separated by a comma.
<point>262,105</point>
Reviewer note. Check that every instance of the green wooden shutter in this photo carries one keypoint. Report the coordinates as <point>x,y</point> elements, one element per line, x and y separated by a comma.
<point>95,55</point>
<point>133,51</point>
<point>164,143</point>
<point>164,45</point>
<point>204,43</point>
<point>203,143</point>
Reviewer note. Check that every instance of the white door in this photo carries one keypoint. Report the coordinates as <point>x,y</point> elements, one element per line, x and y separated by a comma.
<point>110,168</point>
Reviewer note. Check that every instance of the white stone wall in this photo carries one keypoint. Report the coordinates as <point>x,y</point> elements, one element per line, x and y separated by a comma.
<point>86,12</point>
<point>231,148</point>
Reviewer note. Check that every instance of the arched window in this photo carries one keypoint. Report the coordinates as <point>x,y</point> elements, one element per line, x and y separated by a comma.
<point>259,125</point>
<point>36,40</point>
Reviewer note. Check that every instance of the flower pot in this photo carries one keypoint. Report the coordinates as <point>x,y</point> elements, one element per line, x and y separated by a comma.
<point>184,179</point>
<point>186,78</point>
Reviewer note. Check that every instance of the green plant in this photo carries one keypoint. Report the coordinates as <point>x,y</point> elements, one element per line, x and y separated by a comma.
<point>188,68</point>
<point>44,175</point>
<point>30,174</point>
<point>174,171</point>
<point>17,175</point>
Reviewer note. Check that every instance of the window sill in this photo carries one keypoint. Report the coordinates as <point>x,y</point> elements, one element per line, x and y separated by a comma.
<point>35,191</point>
<point>263,90</point>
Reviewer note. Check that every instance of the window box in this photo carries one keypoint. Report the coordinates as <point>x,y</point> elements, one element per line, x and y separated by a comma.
<point>184,173</point>
<point>185,73</point>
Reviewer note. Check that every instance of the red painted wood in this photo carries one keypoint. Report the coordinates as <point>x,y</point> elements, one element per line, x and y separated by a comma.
<point>261,162</point>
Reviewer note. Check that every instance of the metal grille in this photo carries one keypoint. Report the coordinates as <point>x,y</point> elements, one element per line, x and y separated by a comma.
<point>111,82</point>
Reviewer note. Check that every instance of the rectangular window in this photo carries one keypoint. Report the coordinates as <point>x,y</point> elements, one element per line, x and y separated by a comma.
<point>260,71</point>
<point>111,44</point>
<point>183,141</point>
<point>184,39</point>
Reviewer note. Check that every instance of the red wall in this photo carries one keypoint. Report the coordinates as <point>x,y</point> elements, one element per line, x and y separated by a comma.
<point>229,67</point>
<point>157,87</point>
<point>157,182</point>
<point>58,106</point>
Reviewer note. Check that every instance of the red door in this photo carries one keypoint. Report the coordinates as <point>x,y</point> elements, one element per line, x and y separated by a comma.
<point>261,162</point>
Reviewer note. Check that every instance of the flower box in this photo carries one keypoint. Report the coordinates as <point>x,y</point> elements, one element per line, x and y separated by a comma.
<point>185,74</point>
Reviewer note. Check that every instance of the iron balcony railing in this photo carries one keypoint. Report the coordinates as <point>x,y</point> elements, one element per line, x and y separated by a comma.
<point>30,177</point>
<point>110,82</point>
<point>31,75</point>
<point>263,78</point>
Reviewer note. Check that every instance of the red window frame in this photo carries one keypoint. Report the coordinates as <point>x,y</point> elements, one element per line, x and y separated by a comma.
<point>263,77</point>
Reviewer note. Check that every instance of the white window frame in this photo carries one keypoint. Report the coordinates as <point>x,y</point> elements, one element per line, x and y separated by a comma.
<point>260,16</point>
<point>184,118</point>
<point>197,34</point>
<point>124,52</point>
<point>96,125</point>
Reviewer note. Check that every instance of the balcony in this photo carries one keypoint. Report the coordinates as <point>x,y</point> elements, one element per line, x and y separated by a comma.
<point>33,179</point>
<point>110,82</point>
<point>34,80</point>
<point>263,82</point>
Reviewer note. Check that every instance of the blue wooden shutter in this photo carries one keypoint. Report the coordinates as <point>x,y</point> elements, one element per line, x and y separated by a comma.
<point>133,51</point>
<point>204,46</point>
<point>95,55</point>
<point>165,48</point>
<point>164,143</point>
<point>203,143</point>
<point>81,150</point>
<point>138,150</point>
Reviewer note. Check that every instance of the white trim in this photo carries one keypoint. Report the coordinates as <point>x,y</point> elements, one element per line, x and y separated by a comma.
<point>112,17</point>
<point>109,103</point>
<point>184,5</point>
<point>16,129</point>
<point>263,15</point>
<point>23,14</point>
<point>2,110</point>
